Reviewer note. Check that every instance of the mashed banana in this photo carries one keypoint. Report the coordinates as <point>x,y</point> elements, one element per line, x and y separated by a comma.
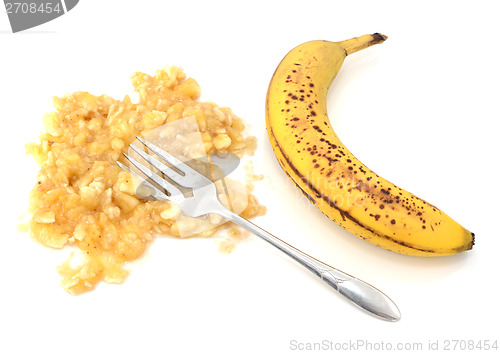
<point>83,198</point>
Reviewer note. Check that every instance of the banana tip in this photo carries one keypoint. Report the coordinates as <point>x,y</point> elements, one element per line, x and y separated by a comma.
<point>379,37</point>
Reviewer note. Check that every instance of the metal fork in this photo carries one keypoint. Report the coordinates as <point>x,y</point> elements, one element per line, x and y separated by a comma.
<point>204,200</point>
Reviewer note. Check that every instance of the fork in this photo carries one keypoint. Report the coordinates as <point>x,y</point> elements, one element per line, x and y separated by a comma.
<point>204,201</point>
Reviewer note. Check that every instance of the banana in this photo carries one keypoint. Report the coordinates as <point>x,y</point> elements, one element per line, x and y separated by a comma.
<point>336,182</point>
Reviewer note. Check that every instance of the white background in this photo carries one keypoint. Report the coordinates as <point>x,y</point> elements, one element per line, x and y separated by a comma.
<point>420,109</point>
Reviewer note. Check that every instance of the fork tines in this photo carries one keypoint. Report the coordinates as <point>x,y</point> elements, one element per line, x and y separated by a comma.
<point>180,173</point>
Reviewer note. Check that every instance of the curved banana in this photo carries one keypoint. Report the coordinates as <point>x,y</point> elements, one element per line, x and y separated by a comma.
<point>335,181</point>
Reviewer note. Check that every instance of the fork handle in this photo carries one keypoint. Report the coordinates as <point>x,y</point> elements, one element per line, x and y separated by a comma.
<point>360,293</point>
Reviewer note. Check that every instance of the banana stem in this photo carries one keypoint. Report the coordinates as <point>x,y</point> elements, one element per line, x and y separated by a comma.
<point>355,44</point>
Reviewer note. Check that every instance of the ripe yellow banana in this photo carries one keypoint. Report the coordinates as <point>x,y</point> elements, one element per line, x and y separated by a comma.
<point>335,181</point>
